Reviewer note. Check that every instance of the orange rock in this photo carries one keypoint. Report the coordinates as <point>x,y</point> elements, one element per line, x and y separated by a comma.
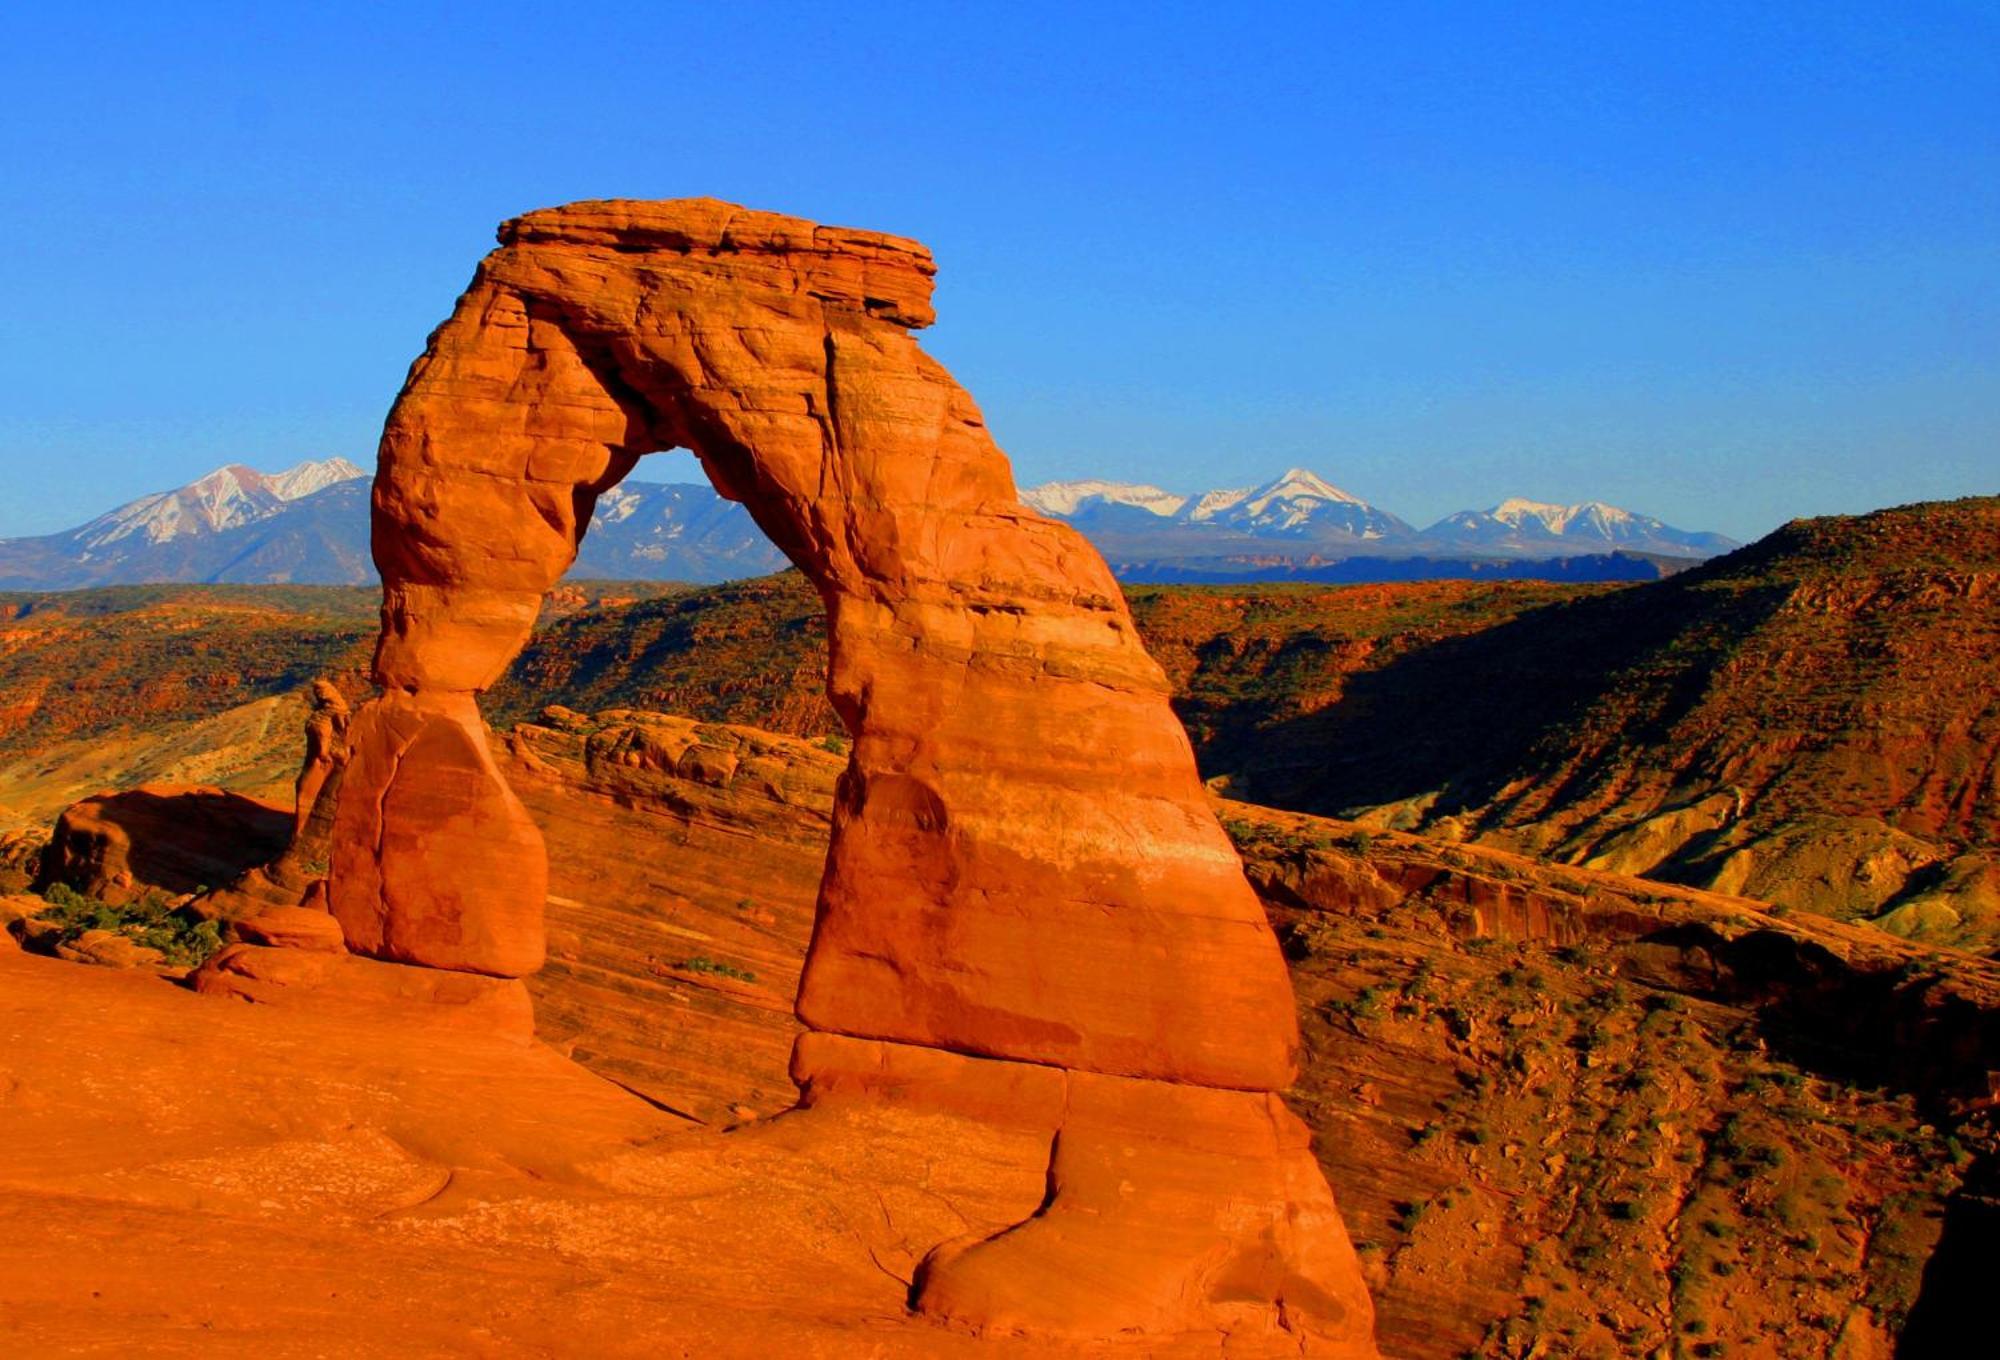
<point>451,873</point>
<point>326,752</point>
<point>298,874</point>
<point>1169,1205</point>
<point>293,928</point>
<point>1023,865</point>
<point>331,982</point>
<point>108,949</point>
<point>19,907</point>
<point>161,837</point>
<point>650,872</point>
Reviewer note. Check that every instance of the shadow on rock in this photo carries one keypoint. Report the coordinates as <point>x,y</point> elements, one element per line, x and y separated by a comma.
<point>165,838</point>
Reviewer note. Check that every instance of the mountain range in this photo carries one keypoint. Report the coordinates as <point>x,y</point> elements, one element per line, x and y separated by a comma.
<point>309,525</point>
<point>1305,511</point>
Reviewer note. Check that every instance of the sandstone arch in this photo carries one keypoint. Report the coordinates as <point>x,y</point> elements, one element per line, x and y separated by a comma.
<point>1028,908</point>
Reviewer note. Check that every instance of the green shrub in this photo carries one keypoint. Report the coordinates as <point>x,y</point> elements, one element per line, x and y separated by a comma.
<point>702,964</point>
<point>183,936</point>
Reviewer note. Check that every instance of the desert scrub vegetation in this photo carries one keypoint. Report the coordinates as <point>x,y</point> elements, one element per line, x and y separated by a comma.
<point>701,963</point>
<point>93,662</point>
<point>1277,838</point>
<point>1675,1175</point>
<point>182,936</point>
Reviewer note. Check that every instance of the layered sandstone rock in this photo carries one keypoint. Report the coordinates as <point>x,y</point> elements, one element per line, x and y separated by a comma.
<point>1023,871</point>
<point>673,970</point>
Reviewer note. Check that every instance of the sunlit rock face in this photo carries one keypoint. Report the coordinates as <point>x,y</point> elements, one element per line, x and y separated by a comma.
<point>1028,911</point>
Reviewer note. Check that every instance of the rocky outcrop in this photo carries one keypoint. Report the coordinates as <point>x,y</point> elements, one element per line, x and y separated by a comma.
<point>296,876</point>
<point>1569,1112</point>
<point>998,897</point>
<point>158,838</point>
<point>20,858</point>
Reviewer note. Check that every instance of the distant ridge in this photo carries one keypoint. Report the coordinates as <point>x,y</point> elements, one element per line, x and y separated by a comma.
<point>1297,504</point>
<point>225,498</point>
<point>1528,527</point>
<point>1300,526</point>
<point>308,525</point>
<point>234,525</point>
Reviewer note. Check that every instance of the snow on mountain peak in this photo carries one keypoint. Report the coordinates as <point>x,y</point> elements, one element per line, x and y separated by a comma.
<point>1296,484</point>
<point>229,496</point>
<point>1306,482</point>
<point>1558,519</point>
<point>1299,505</point>
<point>1212,503</point>
<point>616,506</point>
<point>1297,502</point>
<point>308,477</point>
<point>1066,498</point>
<point>1516,508</point>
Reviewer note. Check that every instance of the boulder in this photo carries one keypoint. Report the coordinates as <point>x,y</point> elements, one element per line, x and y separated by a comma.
<point>109,949</point>
<point>176,840</point>
<point>293,928</point>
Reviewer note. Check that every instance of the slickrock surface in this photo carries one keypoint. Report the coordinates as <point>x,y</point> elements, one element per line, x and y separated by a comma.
<point>995,888</point>
<point>190,1177</point>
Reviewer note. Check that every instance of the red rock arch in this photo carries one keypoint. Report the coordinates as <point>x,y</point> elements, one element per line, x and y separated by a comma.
<point>1023,866</point>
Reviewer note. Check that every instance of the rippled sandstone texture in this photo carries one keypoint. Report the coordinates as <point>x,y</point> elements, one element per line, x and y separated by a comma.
<point>1029,917</point>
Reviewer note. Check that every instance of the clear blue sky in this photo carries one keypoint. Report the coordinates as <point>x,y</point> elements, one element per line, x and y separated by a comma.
<point>1726,264</point>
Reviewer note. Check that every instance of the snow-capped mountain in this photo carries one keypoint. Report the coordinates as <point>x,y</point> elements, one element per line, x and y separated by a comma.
<point>297,483</point>
<point>225,498</point>
<point>309,525</point>
<point>1537,528</point>
<point>670,531</point>
<point>1067,500</point>
<point>235,524</point>
<point>1300,524</point>
<point>1297,504</point>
